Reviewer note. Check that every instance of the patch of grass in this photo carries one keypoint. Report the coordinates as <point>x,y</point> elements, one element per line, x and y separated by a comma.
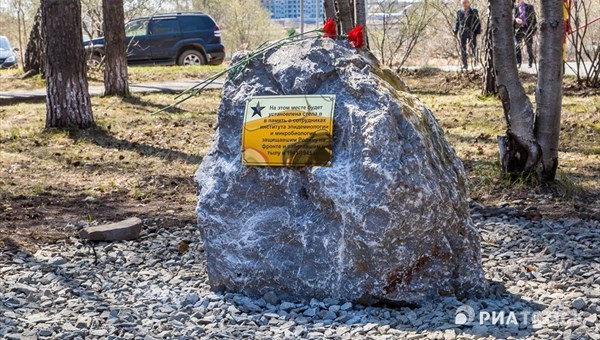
<point>568,186</point>
<point>427,71</point>
<point>483,175</point>
<point>472,122</point>
<point>10,80</point>
<point>132,163</point>
<point>37,189</point>
<point>139,74</point>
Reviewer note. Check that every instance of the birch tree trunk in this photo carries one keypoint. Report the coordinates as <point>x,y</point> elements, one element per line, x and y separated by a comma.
<point>519,151</point>
<point>531,141</point>
<point>35,59</point>
<point>68,100</point>
<point>115,68</point>
<point>549,85</point>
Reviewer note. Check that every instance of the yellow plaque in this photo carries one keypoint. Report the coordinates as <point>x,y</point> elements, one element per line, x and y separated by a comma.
<point>288,130</point>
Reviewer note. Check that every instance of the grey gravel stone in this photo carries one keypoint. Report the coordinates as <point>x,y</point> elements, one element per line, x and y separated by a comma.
<point>310,312</point>
<point>99,332</point>
<point>578,304</point>
<point>44,332</point>
<point>287,306</point>
<point>591,320</point>
<point>68,327</point>
<point>57,261</point>
<point>334,308</point>
<point>346,306</point>
<point>190,299</point>
<point>271,297</point>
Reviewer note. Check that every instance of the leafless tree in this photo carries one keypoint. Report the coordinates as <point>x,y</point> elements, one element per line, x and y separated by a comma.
<point>531,141</point>
<point>396,30</point>
<point>20,8</point>
<point>586,46</point>
<point>447,10</point>
<point>138,8</point>
<point>245,23</point>
<point>92,17</point>
<point>91,13</point>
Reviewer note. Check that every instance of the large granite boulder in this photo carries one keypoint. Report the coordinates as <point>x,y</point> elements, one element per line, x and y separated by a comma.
<point>388,221</point>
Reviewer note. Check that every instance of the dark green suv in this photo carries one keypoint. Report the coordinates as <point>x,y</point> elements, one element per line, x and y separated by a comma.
<point>167,39</point>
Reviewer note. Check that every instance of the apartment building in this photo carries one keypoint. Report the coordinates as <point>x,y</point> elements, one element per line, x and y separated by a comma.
<point>290,9</point>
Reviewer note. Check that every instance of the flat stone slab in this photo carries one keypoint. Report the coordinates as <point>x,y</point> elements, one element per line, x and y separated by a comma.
<point>128,229</point>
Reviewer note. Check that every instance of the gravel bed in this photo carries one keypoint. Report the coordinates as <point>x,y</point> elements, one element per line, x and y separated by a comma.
<point>544,276</point>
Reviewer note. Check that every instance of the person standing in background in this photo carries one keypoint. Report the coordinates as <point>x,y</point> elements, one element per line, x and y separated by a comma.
<point>467,27</point>
<point>525,28</point>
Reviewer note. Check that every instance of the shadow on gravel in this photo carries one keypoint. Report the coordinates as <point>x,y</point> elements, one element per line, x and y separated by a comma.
<point>58,266</point>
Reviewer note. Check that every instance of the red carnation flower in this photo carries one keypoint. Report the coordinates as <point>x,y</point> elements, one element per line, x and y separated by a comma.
<point>329,29</point>
<point>356,36</point>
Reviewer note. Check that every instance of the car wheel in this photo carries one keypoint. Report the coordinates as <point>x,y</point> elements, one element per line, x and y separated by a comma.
<point>94,62</point>
<point>191,57</point>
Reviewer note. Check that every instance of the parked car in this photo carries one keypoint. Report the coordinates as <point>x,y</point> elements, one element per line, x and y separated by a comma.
<point>167,39</point>
<point>8,58</point>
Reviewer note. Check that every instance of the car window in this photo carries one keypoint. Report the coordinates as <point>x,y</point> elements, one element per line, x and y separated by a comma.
<point>4,45</point>
<point>136,28</point>
<point>195,23</point>
<point>164,26</point>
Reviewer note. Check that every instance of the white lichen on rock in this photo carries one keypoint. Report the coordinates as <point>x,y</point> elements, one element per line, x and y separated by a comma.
<point>388,221</point>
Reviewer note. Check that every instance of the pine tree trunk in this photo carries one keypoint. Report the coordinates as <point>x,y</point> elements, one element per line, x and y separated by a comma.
<point>489,73</point>
<point>34,62</point>
<point>549,86</point>
<point>519,151</point>
<point>68,101</point>
<point>115,68</point>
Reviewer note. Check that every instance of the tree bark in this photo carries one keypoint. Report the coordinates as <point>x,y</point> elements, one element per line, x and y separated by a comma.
<point>519,151</point>
<point>35,59</point>
<point>68,101</point>
<point>489,72</point>
<point>329,9</point>
<point>345,16</point>
<point>549,86</point>
<point>115,67</point>
<point>361,18</point>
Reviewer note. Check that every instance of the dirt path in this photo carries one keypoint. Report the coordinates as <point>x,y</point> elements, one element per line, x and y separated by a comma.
<point>12,97</point>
